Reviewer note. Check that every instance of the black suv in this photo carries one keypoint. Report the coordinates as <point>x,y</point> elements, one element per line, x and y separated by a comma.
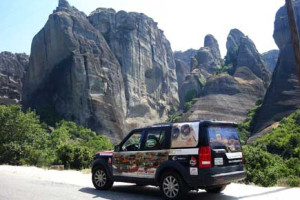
<point>177,157</point>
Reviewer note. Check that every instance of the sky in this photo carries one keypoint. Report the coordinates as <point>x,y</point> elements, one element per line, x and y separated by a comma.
<point>184,22</point>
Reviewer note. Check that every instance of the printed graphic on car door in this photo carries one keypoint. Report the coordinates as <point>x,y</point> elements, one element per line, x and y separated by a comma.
<point>154,152</point>
<point>225,144</point>
<point>126,162</point>
<point>135,162</point>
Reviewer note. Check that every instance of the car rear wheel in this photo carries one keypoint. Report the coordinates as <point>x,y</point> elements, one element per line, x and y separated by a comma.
<point>101,179</point>
<point>217,189</point>
<point>173,186</point>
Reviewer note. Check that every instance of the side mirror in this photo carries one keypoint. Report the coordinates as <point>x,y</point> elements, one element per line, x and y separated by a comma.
<point>117,148</point>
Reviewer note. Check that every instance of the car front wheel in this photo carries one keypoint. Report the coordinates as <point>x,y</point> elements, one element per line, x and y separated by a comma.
<point>100,179</point>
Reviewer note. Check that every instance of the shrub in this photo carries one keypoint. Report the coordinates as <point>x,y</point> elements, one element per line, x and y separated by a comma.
<point>194,100</point>
<point>22,136</point>
<point>293,181</point>
<point>187,106</point>
<point>263,168</point>
<point>174,118</point>
<point>82,158</point>
<point>75,157</point>
<point>25,140</point>
<point>284,140</point>
<point>275,158</point>
<point>245,128</point>
<point>65,155</point>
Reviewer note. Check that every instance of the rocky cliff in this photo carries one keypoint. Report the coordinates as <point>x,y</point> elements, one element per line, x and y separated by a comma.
<point>231,93</point>
<point>242,52</point>
<point>73,73</point>
<point>283,95</point>
<point>270,59</point>
<point>110,71</point>
<point>12,69</point>
<point>147,63</point>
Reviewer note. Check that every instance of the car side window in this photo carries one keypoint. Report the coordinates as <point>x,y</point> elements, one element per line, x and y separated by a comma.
<point>133,142</point>
<point>155,139</point>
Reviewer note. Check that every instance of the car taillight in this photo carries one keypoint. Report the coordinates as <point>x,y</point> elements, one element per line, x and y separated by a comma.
<point>205,157</point>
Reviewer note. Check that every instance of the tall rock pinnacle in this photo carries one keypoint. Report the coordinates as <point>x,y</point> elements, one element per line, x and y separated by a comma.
<point>211,42</point>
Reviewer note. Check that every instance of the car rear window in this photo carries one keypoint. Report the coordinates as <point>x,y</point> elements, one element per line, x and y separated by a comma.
<point>224,137</point>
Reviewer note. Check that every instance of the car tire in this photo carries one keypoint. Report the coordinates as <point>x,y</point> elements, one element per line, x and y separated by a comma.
<point>217,189</point>
<point>173,186</point>
<point>100,178</point>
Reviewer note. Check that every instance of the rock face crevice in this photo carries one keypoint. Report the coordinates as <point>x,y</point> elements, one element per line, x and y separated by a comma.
<point>283,95</point>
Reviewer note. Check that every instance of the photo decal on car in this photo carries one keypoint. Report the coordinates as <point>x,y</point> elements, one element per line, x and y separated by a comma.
<point>185,135</point>
<point>142,163</point>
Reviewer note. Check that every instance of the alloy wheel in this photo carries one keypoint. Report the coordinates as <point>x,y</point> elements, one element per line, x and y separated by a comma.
<point>100,178</point>
<point>170,187</point>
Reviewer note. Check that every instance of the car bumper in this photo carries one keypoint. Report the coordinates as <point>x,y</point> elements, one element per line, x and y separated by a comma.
<point>213,177</point>
<point>226,178</point>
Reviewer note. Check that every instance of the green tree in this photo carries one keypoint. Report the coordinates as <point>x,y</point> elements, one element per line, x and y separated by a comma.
<point>22,136</point>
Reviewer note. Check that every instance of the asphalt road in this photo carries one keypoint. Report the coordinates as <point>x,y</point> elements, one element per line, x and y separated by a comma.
<point>16,186</point>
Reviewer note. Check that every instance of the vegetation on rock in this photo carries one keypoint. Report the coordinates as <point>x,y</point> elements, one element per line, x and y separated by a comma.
<point>245,128</point>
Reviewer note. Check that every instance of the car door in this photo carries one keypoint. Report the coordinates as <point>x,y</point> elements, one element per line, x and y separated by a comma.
<point>125,162</point>
<point>153,152</point>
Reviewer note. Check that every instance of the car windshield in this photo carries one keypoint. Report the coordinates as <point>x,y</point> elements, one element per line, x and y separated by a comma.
<point>224,137</point>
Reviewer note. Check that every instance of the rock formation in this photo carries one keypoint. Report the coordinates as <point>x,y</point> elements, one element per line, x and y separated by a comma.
<point>232,46</point>
<point>110,71</point>
<point>211,43</point>
<point>12,69</point>
<point>270,59</point>
<point>208,58</point>
<point>241,52</point>
<point>146,60</point>
<point>232,93</point>
<point>283,95</point>
<point>73,72</point>
<point>205,62</point>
